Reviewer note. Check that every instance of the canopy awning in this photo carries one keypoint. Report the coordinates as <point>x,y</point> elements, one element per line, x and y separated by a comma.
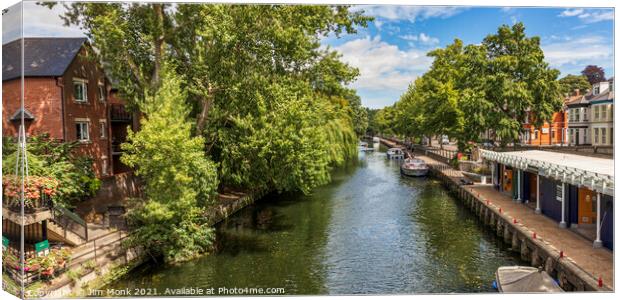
<point>594,173</point>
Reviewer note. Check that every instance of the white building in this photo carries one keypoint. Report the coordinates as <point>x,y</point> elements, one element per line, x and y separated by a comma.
<point>590,116</point>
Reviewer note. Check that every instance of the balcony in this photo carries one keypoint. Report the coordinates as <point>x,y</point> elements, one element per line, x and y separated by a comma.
<point>118,113</point>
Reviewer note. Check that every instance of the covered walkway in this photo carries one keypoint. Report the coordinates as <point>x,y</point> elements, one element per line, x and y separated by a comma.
<point>594,261</point>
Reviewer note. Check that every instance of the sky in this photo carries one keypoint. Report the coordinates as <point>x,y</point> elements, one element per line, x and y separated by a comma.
<point>391,52</point>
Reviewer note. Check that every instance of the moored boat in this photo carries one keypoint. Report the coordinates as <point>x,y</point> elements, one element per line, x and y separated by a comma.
<point>414,167</point>
<point>520,279</point>
<point>364,147</point>
<point>395,153</point>
<point>376,139</point>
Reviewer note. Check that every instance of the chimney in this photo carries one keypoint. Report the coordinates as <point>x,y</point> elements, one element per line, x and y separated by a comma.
<point>576,92</point>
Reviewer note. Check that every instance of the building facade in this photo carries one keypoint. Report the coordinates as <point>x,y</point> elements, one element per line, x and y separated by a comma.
<point>550,133</point>
<point>590,116</point>
<point>66,96</point>
<point>573,190</point>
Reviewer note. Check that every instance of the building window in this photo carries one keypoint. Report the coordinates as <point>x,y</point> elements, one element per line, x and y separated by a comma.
<point>81,129</point>
<point>611,135</point>
<point>596,113</point>
<point>103,129</point>
<point>603,136</point>
<point>596,135</point>
<point>558,192</point>
<point>102,92</point>
<point>597,90</point>
<point>585,136</point>
<point>104,165</point>
<point>604,112</point>
<point>80,90</point>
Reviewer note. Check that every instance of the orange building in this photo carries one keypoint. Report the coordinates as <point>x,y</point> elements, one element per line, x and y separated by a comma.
<point>550,133</point>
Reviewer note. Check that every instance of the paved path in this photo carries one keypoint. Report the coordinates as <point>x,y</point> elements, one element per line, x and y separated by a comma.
<point>597,262</point>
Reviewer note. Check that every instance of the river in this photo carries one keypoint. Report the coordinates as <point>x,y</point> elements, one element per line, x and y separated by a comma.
<point>371,231</point>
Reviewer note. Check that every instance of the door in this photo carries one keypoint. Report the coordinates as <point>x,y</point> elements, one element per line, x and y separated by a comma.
<point>533,187</point>
<point>507,179</point>
<point>577,137</point>
<point>587,206</point>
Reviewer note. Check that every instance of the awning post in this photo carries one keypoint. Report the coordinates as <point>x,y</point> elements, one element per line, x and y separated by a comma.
<point>598,243</point>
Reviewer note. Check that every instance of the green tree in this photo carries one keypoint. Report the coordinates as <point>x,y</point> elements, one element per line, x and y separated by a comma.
<point>594,73</point>
<point>570,83</point>
<point>179,180</point>
<point>235,59</point>
<point>473,88</point>
<point>517,80</point>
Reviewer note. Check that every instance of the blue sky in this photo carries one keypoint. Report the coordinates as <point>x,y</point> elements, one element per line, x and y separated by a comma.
<point>391,51</point>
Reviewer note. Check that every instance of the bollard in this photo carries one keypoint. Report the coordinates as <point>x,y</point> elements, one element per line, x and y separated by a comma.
<point>534,235</point>
<point>514,221</point>
<point>600,281</point>
<point>500,210</point>
<point>561,254</point>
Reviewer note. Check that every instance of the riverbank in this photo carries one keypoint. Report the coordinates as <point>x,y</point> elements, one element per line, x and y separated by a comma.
<point>537,238</point>
<point>104,259</point>
<point>369,231</point>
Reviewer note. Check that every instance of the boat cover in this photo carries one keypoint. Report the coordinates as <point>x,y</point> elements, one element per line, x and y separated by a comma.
<point>519,279</point>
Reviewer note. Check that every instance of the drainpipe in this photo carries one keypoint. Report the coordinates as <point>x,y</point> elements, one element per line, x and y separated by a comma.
<point>518,186</point>
<point>563,222</point>
<point>60,84</point>
<point>598,243</point>
<point>538,211</point>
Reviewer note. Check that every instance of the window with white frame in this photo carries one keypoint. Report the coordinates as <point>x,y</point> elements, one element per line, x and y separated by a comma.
<point>603,135</point>
<point>80,90</point>
<point>104,165</point>
<point>596,135</point>
<point>102,93</point>
<point>81,129</point>
<point>604,112</point>
<point>558,192</point>
<point>103,129</point>
<point>596,113</point>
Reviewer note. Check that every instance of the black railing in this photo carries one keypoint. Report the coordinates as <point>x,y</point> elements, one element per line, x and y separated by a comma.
<point>119,113</point>
<point>71,222</point>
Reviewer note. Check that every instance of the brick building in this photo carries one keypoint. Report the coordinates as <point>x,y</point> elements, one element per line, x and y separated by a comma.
<point>66,95</point>
<point>553,132</point>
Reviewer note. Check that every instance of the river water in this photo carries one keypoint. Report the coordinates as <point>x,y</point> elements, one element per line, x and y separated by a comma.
<point>371,231</point>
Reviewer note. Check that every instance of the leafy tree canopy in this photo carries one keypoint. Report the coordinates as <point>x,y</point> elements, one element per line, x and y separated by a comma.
<point>595,74</point>
<point>570,83</point>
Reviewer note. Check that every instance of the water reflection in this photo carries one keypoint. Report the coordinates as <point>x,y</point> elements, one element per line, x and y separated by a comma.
<point>369,231</point>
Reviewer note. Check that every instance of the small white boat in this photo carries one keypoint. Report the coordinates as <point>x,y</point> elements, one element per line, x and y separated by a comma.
<point>519,279</point>
<point>414,167</point>
<point>376,139</point>
<point>364,147</point>
<point>395,153</point>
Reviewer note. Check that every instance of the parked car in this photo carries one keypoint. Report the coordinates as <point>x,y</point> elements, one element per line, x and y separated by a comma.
<point>444,140</point>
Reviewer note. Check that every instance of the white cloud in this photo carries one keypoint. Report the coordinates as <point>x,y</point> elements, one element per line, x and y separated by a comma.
<point>571,12</point>
<point>422,38</point>
<point>410,13</point>
<point>579,51</point>
<point>383,66</point>
<point>40,21</point>
<point>590,15</point>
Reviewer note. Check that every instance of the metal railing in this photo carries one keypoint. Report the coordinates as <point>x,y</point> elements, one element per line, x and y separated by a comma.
<point>71,222</point>
<point>119,113</point>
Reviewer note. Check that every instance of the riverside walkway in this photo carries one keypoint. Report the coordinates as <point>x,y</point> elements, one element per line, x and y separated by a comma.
<point>596,262</point>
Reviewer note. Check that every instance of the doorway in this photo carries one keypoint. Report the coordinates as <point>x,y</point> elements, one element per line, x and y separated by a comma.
<point>586,206</point>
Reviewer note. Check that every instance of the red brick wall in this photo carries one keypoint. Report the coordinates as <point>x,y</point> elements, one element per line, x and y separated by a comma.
<point>558,123</point>
<point>94,110</point>
<point>42,98</point>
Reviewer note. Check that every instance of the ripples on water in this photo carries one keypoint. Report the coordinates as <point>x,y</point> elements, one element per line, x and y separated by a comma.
<point>370,231</point>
